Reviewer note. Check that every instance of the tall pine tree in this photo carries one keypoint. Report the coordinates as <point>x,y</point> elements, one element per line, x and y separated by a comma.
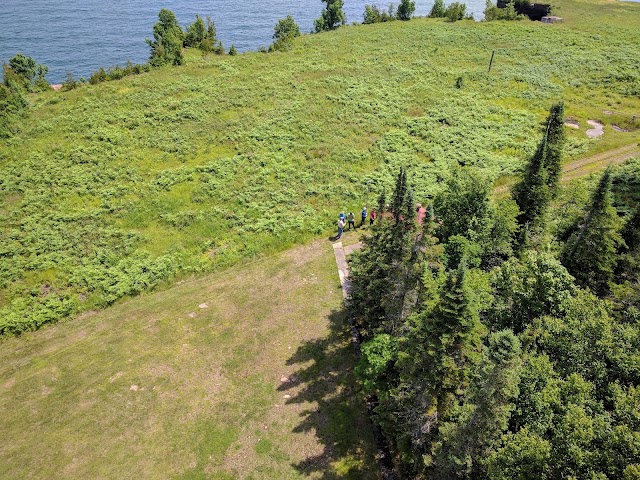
<point>532,192</point>
<point>590,253</point>
<point>436,364</point>
<point>556,140</point>
<point>541,179</point>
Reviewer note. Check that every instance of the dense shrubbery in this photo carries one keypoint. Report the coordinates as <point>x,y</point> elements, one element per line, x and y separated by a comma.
<point>511,368</point>
<point>202,167</point>
<point>117,72</point>
<point>373,14</point>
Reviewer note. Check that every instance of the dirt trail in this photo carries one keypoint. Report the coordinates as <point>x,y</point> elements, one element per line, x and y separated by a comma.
<point>584,166</point>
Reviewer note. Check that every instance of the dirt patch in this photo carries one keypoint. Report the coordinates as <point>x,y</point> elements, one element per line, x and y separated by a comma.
<point>10,383</point>
<point>572,123</point>
<point>596,131</point>
<point>619,129</point>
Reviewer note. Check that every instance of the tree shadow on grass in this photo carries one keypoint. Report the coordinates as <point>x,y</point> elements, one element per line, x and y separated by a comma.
<point>340,420</point>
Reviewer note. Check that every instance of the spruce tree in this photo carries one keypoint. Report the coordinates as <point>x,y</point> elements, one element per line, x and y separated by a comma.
<point>332,16</point>
<point>541,179</point>
<point>166,47</point>
<point>196,33</point>
<point>631,231</point>
<point>532,192</point>
<point>438,10</point>
<point>556,140</point>
<point>436,364</point>
<point>590,254</point>
<point>470,439</point>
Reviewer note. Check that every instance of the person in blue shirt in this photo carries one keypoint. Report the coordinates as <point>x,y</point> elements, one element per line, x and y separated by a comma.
<point>364,216</point>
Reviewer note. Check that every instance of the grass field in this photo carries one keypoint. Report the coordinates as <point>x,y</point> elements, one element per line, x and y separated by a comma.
<point>114,189</point>
<point>258,384</point>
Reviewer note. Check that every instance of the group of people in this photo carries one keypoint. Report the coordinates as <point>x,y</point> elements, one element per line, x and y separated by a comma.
<point>350,220</point>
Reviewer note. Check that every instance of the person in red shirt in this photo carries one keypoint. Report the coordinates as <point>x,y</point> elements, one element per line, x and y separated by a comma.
<point>372,217</point>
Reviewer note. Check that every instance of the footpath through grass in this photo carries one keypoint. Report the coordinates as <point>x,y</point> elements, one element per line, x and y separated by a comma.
<point>258,384</point>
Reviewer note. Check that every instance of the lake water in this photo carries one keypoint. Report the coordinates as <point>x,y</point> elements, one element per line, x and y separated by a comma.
<point>79,36</point>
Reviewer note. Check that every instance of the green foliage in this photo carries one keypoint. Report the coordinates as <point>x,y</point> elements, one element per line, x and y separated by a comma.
<point>406,8</point>
<point>117,72</point>
<point>13,103</point>
<point>523,456</point>
<point>464,206</point>
<point>166,47</point>
<point>232,51</point>
<point>590,253</point>
<point>71,83</point>
<point>438,10</point>
<point>373,14</point>
<point>196,33</point>
<point>28,73</point>
<point>527,288</point>
<point>284,32</point>
<point>556,140</point>
<point>492,12</point>
<point>375,367</point>
<point>332,16</point>
<point>455,11</point>
<point>467,442</point>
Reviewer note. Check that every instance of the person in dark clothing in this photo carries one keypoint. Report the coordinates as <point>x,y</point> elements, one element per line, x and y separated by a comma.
<point>351,220</point>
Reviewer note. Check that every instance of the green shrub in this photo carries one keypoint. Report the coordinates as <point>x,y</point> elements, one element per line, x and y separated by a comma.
<point>373,14</point>
<point>284,32</point>
<point>455,11</point>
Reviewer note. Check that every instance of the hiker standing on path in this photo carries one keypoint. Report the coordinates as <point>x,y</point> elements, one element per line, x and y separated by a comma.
<point>372,217</point>
<point>364,216</point>
<point>351,219</point>
<point>340,227</point>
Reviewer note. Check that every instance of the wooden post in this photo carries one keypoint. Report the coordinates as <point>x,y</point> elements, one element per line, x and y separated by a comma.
<point>491,62</point>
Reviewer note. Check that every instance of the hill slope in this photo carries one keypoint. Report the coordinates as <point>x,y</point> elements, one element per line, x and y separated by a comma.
<point>112,189</point>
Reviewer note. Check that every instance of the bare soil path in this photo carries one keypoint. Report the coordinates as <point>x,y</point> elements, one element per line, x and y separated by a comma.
<point>584,166</point>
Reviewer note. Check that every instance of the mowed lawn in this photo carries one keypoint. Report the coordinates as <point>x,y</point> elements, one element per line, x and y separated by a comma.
<point>242,374</point>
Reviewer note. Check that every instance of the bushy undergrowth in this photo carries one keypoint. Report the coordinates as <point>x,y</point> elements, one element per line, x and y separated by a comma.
<point>116,187</point>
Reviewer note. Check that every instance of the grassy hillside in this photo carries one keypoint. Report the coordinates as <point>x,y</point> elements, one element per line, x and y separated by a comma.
<point>109,190</point>
<point>258,384</point>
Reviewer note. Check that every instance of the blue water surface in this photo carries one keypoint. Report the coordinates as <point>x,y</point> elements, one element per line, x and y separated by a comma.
<point>79,36</point>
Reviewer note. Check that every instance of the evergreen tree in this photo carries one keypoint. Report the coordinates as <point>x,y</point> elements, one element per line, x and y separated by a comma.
<point>436,363</point>
<point>196,33</point>
<point>332,16</point>
<point>590,254</point>
<point>469,440</point>
<point>556,140</point>
<point>631,231</point>
<point>464,206</point>
<point>284,32</point>
<point>209,42</point>
<point>406,9</point>
<point>541,180</point>
<point>438,10</point>
<point>532,192</point>
<point>166,48</point>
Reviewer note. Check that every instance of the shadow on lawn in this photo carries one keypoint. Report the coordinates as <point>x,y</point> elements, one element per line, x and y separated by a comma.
<point>340,421</point>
